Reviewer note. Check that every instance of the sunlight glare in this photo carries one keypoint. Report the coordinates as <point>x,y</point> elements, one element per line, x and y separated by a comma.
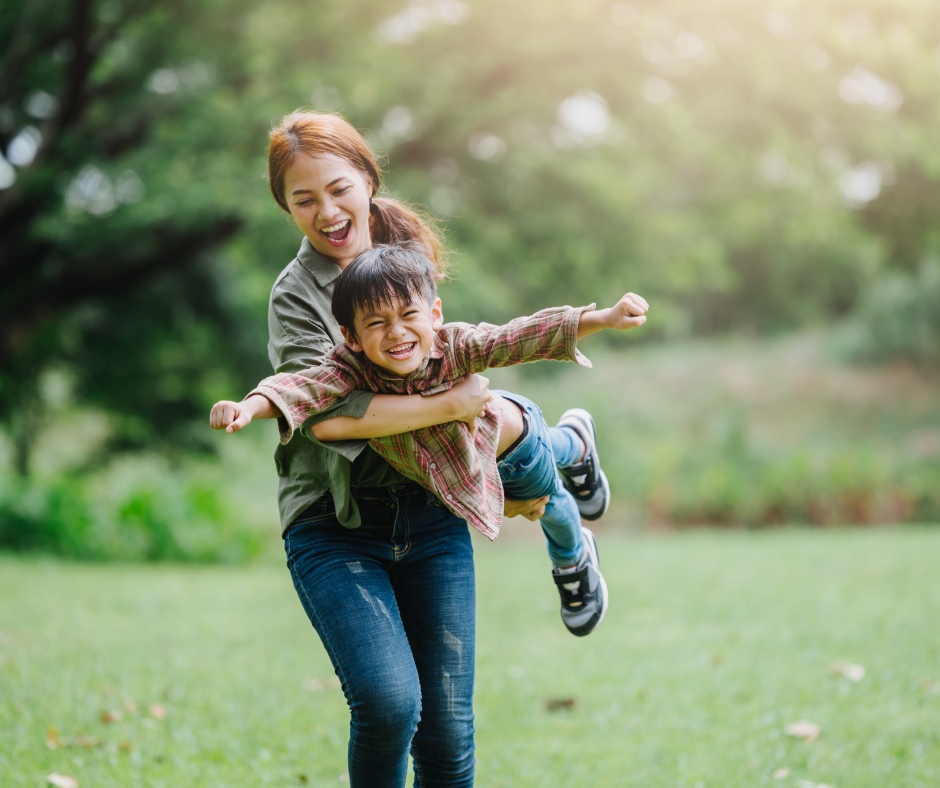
<point>863,87</point>
<point>584,117</point>
<point>24,146</point>
<point>91,191</point>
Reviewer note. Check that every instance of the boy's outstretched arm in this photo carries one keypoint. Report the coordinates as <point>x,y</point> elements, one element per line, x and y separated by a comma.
<point>233,416</point>
<point>628,312</point>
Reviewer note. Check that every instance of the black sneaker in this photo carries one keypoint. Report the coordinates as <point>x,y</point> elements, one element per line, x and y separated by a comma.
<point>583,590</point>
<point>585,480</point>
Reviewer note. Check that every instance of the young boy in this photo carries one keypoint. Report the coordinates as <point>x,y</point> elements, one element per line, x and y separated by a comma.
<point>396,341</point>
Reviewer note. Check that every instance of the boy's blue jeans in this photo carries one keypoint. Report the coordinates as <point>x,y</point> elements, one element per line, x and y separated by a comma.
<point>393,602</point>
<point>530,470</point>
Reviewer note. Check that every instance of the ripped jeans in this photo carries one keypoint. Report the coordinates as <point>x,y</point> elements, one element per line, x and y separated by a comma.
<point>393,602</point>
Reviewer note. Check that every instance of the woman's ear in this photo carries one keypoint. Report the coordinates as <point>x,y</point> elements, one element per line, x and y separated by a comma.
<point>437,314</point>
<point>350,338</point>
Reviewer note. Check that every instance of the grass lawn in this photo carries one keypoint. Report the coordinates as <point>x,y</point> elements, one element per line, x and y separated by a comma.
<point>714,643</point>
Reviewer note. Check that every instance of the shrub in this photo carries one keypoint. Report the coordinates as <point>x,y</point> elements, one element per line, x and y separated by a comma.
<point>164,517</point>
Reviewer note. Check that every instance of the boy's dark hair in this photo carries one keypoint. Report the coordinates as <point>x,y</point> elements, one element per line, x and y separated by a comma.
<point>378,275</point>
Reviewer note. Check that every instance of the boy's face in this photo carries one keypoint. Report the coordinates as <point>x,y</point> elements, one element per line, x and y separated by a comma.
<point>397,336</point>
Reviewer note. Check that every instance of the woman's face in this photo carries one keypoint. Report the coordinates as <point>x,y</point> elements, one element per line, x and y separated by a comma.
<point>329,201</point>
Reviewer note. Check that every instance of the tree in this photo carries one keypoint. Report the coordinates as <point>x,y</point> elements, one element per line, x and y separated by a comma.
<point>106,227</point>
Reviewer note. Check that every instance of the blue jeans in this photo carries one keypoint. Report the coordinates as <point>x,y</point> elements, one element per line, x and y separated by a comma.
<point>393,602</point>
<point>530,470</point>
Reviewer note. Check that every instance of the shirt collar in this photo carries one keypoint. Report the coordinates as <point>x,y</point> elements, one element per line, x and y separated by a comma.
<point>319,267</point>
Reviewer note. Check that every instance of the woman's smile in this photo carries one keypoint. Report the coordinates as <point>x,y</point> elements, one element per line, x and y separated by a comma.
<point>338,233</point>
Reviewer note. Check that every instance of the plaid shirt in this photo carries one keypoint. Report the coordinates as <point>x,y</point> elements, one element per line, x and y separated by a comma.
<point>459,468</point>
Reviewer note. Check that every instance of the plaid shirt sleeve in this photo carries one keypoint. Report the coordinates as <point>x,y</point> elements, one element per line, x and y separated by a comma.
<point>548,334</point>
<point>299,395</point>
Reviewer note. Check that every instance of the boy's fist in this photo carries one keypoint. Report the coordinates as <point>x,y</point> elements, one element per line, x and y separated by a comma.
<point>229,416</point>
<point>629,312</point>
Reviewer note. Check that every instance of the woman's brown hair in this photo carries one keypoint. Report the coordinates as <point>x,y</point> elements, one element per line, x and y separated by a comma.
<point>306,133</point>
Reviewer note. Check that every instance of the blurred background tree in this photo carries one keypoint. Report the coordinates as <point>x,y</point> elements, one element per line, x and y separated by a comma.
<point>122,158</point>
<point>752,168</point>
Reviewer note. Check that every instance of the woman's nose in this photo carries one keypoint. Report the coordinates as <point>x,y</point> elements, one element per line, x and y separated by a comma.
<point>328,208</point>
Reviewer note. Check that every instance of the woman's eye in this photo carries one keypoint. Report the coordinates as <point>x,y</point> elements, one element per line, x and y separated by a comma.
<point>343,190</point>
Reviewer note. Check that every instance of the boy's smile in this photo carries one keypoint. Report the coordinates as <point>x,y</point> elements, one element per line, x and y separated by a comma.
<point>397,335</point>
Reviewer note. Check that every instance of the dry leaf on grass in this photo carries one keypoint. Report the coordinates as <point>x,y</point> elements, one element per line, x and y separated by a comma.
<point>54,741</point>
<point>781,774</point>
<point>803,729</point>
<point>61,781</point>
<point>107,717</point>
<point>555,704</point>
<point>848,669</point>
<point>158,712</point>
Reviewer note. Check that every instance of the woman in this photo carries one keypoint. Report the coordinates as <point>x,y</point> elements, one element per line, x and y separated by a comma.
<point>383,570</point>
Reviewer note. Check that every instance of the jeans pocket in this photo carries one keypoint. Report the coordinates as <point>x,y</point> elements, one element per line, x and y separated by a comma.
<point>321,509</point>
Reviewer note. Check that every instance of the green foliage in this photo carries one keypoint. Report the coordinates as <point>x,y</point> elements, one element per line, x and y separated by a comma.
<point>899,317</point>
<point>162,517</point>
<point>54,519</point>
<point>747,167</point>
<point>122,190</point>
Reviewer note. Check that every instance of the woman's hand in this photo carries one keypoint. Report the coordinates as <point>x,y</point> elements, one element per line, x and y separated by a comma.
<point>531,510</point>
<point>468,399</point>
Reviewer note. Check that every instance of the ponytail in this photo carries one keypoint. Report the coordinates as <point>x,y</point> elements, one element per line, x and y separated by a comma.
<point>394,223</point>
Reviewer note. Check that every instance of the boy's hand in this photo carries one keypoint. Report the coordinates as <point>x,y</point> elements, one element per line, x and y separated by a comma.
<point>231,416</point>
<point>628,312</point>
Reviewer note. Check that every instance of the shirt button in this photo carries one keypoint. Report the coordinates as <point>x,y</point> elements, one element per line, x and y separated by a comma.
<point>433,466</point>
<point>450,497</point>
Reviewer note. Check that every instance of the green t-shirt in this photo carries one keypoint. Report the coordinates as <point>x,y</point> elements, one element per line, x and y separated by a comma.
<point>301,331</point>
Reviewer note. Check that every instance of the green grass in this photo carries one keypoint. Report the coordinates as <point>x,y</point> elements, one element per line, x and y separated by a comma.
<point>714,643</point>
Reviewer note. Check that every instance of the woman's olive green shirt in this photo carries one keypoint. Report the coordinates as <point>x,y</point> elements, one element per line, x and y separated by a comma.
<point>301,331</point>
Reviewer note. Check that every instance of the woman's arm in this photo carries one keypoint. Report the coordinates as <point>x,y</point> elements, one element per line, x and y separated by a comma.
<point>391,414</point>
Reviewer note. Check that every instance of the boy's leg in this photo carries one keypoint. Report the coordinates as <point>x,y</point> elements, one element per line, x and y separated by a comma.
<point>581,474</point>
<point>529,471</point>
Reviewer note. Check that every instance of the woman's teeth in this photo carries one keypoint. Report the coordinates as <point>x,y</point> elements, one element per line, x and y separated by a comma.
<point>338,231</point>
